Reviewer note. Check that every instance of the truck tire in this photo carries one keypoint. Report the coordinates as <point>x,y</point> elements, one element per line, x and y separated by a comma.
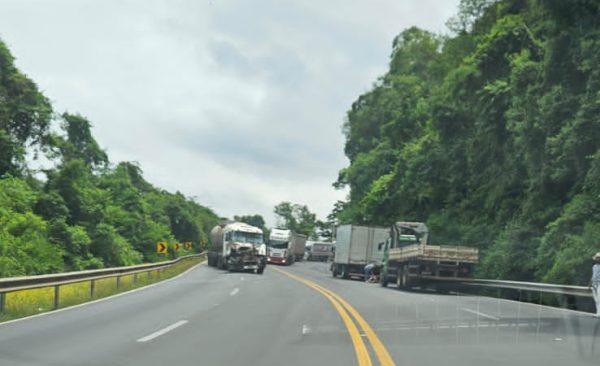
<point>334,271</point>
<point>344,272</point>
<point>383,280</point>
<point>401,278</point>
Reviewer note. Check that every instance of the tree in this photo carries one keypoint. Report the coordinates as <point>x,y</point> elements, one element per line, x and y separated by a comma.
<point>295,217</point>
<point>79,142</point>
<point>254,220</point>
<point>25,115</point>
<point>86,214</point>
<point>489,135</point>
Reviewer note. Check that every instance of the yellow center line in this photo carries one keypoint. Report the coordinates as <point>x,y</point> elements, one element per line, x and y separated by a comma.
<point>362,355</point>
<point>382,354</point>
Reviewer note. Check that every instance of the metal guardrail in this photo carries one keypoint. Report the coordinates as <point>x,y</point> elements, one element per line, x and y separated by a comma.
<point>553,295</point>
<point>548,288</point>
<point>12,284</point>
<point>532,286</point>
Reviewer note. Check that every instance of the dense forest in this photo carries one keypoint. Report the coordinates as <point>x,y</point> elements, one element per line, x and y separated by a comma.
<point>83,212</point>
<point>490,135</point>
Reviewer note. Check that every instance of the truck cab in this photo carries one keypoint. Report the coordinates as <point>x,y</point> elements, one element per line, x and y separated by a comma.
<point>237,246</point>
<point>279,247</point>
<point>319,251</point>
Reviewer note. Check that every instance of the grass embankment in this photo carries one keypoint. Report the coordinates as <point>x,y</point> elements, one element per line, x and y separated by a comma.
<point>23,303</point>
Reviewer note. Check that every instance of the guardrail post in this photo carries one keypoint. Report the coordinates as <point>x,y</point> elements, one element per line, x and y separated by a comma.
<point>2,302</point>
<point>56,296</point>
<point>118,282</point>
<point>92,288</point>
<point>519,316</point>
<point>135,278</point>
<point>158,274</point>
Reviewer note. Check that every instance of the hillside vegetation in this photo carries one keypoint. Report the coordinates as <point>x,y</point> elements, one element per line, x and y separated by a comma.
<point>84,212</point>
<point>490,135</point>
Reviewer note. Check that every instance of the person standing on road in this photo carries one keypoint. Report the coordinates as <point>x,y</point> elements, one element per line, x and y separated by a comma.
<point>595,282</point>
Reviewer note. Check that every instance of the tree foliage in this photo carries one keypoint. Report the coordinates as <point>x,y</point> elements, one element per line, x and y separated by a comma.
<point>296,217</point>
<point>86,213</point>
<point>490,135</point>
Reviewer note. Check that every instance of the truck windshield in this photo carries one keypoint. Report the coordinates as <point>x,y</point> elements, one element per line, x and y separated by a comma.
<point>407,239</point>
<point>278,244</point>
<point>243,237</point>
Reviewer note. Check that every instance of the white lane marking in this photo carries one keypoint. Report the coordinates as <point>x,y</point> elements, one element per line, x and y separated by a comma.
<point>235,291</point>
<point>306,329</point>
<point>242,278</point>
<point>163,331</point>
<point>516,302</point>
<point>454,326</point>
<point>139,289</point>
<point>480,313</point>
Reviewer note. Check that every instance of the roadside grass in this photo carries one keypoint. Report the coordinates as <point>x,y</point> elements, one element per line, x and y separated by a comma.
<point>24,303</point>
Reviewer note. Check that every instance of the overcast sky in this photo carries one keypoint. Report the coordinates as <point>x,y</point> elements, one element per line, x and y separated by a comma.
<point>237,103</point>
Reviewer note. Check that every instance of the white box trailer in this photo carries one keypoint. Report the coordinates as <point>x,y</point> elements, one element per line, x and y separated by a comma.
<point>356,246</point>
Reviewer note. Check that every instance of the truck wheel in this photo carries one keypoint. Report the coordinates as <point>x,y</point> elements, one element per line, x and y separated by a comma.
<point>401,278</point>
<point>345,272</point>
<point>383,280</point>
<point>220,262</point>
<point>334,271</point>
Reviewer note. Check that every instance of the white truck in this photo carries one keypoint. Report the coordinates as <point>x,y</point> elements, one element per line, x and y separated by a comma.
<point>236,246</point>
<point>408,259</point>
<point>285,246</point>
<point>355,247</point>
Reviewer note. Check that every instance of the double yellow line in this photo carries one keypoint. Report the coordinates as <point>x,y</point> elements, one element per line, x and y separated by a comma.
<point>345,310</point>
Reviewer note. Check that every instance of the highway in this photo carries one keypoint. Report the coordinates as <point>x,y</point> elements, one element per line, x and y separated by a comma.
<point>289,316</point>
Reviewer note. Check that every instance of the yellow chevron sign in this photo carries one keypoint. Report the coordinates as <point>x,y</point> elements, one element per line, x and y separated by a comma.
<point>162,247</point>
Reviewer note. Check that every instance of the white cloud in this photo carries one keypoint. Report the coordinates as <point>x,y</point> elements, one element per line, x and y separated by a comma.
<point>238,103</point>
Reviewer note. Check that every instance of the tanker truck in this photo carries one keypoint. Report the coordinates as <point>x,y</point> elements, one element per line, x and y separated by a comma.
<point>237,246</point>
<point>285,246</point>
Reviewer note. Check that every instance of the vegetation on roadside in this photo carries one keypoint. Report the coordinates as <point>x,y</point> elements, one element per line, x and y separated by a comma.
<point>83,212</point>
<point>490,135</point>
<point>23,303</point>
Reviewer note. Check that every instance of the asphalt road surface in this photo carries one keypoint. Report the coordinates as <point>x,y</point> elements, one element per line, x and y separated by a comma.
<point>211,317</point>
